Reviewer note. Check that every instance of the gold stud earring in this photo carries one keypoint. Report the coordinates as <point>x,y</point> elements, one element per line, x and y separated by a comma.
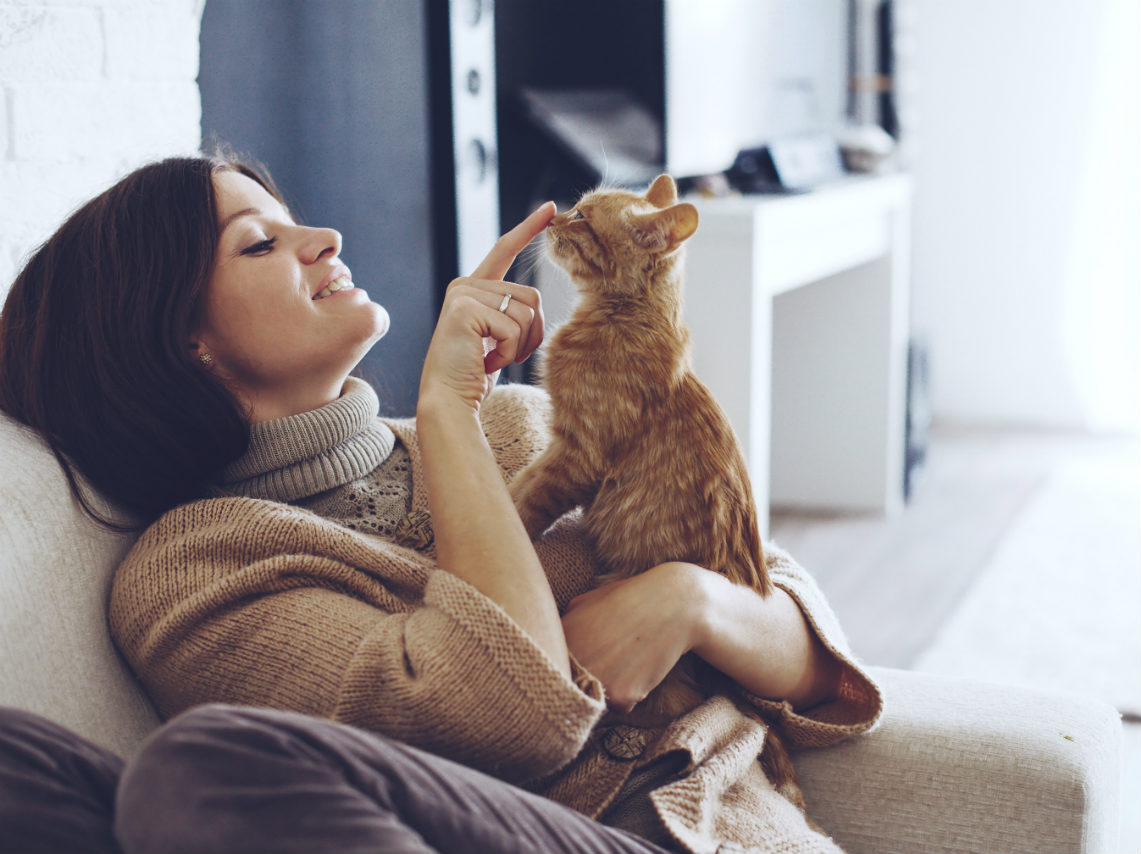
<point>206,359</point>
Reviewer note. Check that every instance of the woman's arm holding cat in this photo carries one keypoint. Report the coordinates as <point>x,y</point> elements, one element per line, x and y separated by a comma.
<point>763,643</point>
<point>630,633</point>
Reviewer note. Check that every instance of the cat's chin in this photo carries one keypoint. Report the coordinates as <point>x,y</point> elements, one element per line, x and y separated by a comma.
<point>573,271</point>
<point>580,271</point>
<point>562,262</point>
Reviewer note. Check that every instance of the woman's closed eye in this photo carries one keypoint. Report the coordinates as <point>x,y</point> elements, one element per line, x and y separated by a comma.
<point>261,247</point>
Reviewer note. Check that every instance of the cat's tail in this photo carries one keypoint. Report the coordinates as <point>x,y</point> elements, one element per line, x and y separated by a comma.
<point>778,767</point>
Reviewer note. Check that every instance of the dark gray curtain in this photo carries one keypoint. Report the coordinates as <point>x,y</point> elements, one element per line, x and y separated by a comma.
<point>333,96</point>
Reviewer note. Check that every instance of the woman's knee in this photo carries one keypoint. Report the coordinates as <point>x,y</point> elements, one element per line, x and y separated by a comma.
<point>214,726</point>
<point>177,786</point>
<point>57,789</point>
<point>216,733</point>
<point>202,745</point>
<point>224,778</point>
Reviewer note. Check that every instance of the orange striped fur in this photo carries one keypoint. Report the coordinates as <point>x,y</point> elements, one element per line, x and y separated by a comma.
<point>637,440</point>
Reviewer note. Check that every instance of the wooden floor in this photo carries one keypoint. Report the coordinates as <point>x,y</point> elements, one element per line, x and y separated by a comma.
<point>894,581</point>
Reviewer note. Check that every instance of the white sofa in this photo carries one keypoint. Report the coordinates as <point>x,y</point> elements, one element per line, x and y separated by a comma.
<point>955,765</point>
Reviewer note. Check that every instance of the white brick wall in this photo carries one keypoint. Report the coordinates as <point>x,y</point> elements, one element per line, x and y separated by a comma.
<point>89,89</point>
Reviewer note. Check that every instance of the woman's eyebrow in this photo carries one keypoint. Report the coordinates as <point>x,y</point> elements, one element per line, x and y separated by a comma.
<point>250,212</point>
<point>237,215</point>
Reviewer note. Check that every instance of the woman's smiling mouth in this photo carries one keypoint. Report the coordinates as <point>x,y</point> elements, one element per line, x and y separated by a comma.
<point>341,283</point>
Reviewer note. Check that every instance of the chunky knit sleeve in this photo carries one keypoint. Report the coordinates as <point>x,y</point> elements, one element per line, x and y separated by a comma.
<point>252,602</point>
<point>859,705</point>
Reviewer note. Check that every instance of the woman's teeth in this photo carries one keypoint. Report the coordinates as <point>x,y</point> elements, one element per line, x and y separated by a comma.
<point>344,283</point>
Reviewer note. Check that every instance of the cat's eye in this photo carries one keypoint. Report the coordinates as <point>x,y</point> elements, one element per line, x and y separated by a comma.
<point>577,214</point>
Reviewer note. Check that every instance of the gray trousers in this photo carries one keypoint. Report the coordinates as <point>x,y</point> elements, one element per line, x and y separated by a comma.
<point>230,779</point>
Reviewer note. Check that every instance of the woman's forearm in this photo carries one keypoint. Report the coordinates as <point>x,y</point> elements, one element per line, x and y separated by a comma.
<point>478,534</point>
<point>764,643</point>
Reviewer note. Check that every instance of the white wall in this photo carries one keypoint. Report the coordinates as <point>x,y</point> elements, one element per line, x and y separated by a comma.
<point>1027,277</point>
<point>718,50</point>
<point>89,89</point>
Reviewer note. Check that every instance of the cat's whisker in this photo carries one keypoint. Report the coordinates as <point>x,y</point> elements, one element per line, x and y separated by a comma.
<point>527,274</point>
<point>528,261</point>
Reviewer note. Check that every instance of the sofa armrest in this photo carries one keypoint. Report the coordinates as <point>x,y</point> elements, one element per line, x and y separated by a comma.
<point>963,766</point>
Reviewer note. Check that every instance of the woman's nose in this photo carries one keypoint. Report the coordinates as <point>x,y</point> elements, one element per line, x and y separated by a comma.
<point>321,242</point>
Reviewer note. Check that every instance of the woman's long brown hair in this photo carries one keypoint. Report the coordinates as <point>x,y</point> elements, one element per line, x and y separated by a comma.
<point>95,342</point>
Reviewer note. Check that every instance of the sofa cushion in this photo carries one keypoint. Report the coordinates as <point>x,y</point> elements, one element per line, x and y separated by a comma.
<point>56,656</point>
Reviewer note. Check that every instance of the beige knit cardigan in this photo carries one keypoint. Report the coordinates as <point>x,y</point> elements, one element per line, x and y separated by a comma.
<point>246,601</point>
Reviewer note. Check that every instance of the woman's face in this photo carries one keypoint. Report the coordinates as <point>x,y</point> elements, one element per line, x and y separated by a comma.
<point>282,319</point>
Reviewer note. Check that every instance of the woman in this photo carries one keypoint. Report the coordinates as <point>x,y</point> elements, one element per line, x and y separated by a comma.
<point>374,572</point>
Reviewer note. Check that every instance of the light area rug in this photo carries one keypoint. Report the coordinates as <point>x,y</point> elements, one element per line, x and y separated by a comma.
<point>1058,607</point>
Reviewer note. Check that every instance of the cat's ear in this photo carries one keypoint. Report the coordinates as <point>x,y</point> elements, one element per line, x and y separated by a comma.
<point>664,230</point>
<point>663,192</point>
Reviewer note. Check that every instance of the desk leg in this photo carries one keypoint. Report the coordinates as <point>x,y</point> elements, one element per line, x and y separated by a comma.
<point>838,396</point>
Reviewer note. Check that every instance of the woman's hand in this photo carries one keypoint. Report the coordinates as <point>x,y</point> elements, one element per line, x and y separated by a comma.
<point>631,633</point>
<point>473,338</point>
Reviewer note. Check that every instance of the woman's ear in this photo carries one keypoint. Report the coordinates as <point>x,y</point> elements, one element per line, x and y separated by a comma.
<point>200,353</point>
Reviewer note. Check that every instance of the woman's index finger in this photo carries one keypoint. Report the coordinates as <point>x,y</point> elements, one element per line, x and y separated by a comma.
<point>502,254</point>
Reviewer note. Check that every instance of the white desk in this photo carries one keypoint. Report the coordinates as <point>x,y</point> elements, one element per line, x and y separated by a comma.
<point>798,307</point>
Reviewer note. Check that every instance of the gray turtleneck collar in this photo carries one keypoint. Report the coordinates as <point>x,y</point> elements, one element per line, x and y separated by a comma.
<point>301,455</point>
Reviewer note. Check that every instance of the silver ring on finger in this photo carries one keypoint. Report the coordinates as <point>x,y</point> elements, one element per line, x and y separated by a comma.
<point>506,300</point>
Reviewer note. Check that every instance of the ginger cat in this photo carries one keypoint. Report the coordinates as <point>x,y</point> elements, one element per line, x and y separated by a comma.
<point>637,440</point>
